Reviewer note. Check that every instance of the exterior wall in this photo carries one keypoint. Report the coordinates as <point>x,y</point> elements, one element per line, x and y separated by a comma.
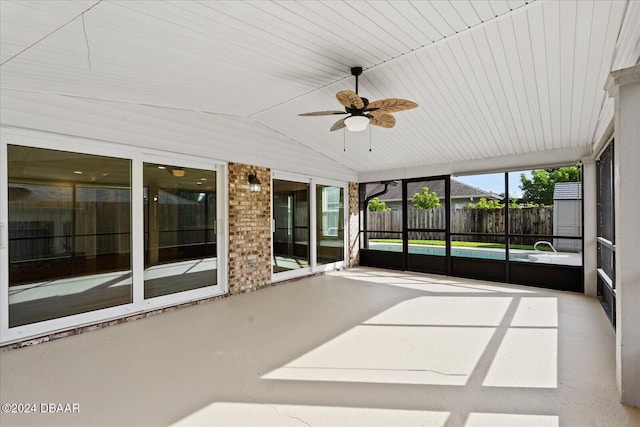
<point>567,221</point>
<point>249,230</point>
<point>354,226</point>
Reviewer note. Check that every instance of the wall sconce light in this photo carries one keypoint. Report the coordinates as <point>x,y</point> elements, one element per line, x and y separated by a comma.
<point>254,184</point>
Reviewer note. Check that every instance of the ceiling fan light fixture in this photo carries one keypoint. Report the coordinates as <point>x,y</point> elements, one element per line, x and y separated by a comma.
<point>356,123</point>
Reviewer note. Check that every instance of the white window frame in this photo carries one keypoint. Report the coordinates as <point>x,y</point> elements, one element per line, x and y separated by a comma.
<point>195,294</point>
<point>345,224</point>
<point>137,156</point>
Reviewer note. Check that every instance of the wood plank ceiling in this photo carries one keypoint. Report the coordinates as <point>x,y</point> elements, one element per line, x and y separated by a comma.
<point>493,79</point>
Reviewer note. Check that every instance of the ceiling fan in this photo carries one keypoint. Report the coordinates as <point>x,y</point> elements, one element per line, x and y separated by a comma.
<point>362,112</point>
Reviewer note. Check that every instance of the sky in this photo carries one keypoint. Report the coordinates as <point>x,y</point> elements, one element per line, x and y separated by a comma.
<point>495,182</point>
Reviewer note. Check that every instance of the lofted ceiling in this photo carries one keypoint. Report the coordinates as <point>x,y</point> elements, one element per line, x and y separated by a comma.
<point>498,82</point>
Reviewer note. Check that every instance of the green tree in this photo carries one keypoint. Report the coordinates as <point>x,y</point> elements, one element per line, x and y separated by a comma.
<point>539,189</point>
<point>426,200</point>
<point>493,204</point>
<point>375,205</point>
<point>483,203</point>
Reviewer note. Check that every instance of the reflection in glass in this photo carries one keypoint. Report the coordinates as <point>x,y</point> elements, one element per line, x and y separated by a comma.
<point>291,234</point>
<point>69,233</point>
<point>329,224</point>
<point>179,225</point>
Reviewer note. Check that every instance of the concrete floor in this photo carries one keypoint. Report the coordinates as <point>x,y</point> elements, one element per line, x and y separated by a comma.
<point>356,347</point>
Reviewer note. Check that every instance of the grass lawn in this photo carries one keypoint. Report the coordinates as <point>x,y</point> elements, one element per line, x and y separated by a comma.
<point>462,244</point>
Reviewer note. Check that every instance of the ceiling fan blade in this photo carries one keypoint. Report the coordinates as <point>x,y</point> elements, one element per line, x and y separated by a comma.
<point>338,125</point>
<point>350,99</point>
<point>389,105</point>
<point>322,113</point>
<point>384,121</point>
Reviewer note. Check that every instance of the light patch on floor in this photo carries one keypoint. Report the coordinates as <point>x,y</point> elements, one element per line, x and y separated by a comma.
<point>526,358</point>
<point>276,415</point>
<point>392,354</point>
<point>539,311</point>
<point>467,311</point>
<point>510,420</point>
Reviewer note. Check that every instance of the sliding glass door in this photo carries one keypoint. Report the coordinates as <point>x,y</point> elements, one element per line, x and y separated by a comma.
<point>179,229</point>
<point>291,217</point>
<point>329,224</point>
<point>69,217</point>
<point>308,226</point>
<point>102,234</point>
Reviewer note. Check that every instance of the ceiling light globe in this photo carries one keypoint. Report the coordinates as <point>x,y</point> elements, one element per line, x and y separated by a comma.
<point>178,172</point>
<point>356,123</point>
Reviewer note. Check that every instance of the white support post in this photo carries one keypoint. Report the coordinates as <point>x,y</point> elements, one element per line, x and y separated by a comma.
<point>590,226</point>
<point>624,85</point>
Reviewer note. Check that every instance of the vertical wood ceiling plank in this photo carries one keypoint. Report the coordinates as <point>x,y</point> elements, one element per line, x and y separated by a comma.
<point>582,52</point>
<point>507,68</point>
<point>533,89</point>
<point>448,116</point>
<point>597,40</point>
<point>470,58</point>
<point>567,19</point>
<point>488,139</point>
<point>515,38</point>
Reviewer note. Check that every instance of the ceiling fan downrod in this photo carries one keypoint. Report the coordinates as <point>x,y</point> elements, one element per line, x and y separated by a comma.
<point>356,71</point>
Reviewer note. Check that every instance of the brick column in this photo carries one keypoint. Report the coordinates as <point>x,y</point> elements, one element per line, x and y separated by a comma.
<point>354,226</point>
<point>249,230</point>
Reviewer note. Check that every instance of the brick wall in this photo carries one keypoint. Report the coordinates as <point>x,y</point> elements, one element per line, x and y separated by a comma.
<point>249,230</point>
<point>354,226</point>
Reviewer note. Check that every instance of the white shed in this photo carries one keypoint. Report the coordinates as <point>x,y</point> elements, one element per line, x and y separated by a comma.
<point>567,215</point>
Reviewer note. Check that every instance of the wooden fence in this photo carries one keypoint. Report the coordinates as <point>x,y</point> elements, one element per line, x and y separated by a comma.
<point>534,221</point>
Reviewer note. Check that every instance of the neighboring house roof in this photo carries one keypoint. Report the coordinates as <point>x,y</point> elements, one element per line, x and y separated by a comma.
<point>459,190</point>
<point>567,191</point>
